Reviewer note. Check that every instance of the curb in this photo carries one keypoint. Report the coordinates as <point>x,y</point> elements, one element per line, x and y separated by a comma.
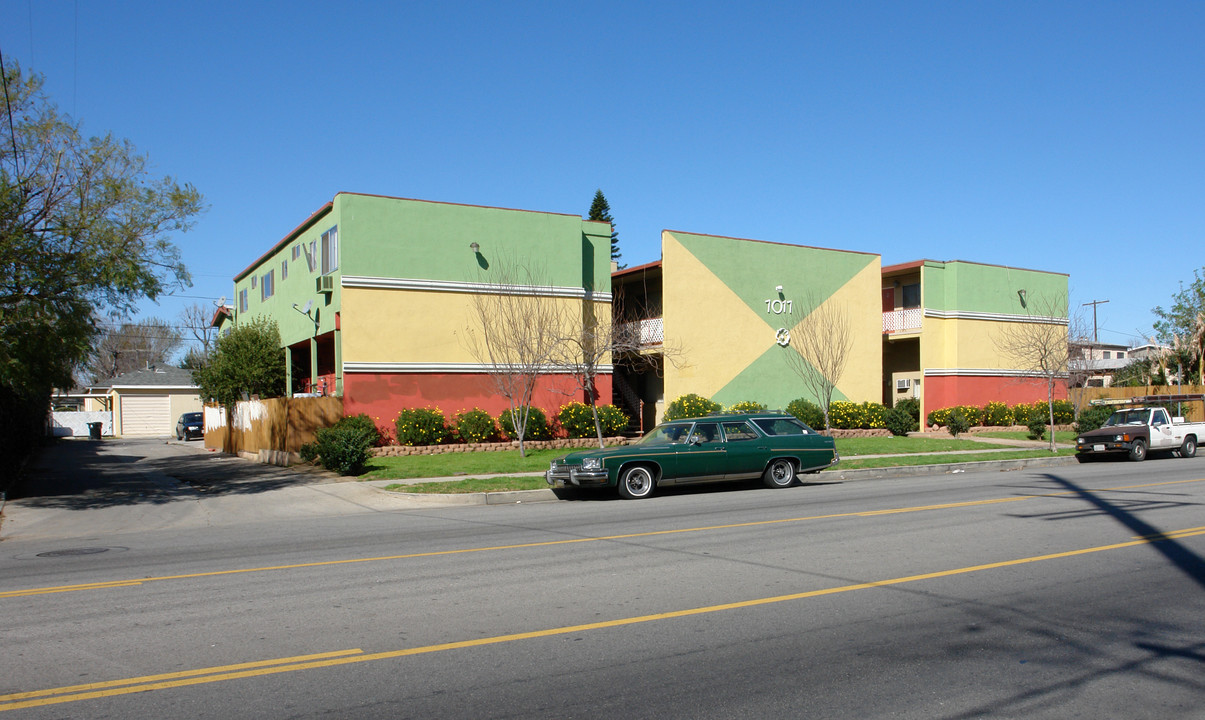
<point>514,497</point>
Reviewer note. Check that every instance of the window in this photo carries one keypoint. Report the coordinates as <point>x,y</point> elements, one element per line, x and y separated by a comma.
<point>253,280</point>
<point>284,269</point>
<point>330,250</point>
<point>782,426</point>
<point>268,285</point>
<point>1121,354</point>
<point>242,300</point>
<point>1106,354</point>
<point>738,431</point>
<point>911,295</point>
<point>296,251</point>
<point>309,255</point>
<point>705,433</point>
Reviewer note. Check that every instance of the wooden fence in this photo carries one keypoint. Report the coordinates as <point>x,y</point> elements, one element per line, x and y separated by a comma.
<point>1193,411</point>
<point>278,425</point>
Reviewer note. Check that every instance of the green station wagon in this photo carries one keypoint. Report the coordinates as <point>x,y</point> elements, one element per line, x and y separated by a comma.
<point>772,446</point>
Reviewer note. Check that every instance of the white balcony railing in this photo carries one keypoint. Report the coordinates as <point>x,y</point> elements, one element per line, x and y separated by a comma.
<point>644,333</point>
<point>899,321</point>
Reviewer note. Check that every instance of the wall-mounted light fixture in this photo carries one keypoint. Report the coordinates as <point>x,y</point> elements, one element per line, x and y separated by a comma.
<point>1021,296</point>
<point>474,247</point>
<point>778,289</point>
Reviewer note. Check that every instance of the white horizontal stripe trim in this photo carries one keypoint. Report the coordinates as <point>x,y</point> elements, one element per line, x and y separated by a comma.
<point>981,372</point>
<point>401,367</point>
<point>385,283</point>
<point>997,317</point>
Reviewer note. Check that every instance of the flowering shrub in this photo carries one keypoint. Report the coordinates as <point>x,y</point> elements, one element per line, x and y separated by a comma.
<point>845,415</point>
<point>996,414</point>
<point>874,415</point>
<point>808,412</point>
<point>475,426</point>
<point>972,414</point>
<point>577,420</point>
<point>747,406</point>
<point>689,406</point>
<point>612,419</point>
<point>536,428</point>
<point>421,426</point>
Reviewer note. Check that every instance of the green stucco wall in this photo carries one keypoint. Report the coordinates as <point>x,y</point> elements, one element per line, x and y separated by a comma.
<point>970,287</point>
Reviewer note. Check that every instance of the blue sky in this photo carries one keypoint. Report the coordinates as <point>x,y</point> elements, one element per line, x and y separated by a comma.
<point>1065,137</point>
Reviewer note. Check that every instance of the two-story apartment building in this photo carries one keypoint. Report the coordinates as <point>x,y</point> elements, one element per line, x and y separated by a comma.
<point>944,324</point>
<point>374,297</point>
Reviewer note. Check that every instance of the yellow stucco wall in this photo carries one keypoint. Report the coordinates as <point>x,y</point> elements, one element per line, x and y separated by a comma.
<point>413,326</point>
<point>713,337</point>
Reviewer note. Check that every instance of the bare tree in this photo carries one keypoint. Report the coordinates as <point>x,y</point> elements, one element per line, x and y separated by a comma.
<point>514,334</point>
<point>1040,347</point>
<point>603,332</point>
<point>818,349</point>
<point>132,346</point>
<point>197,318</point>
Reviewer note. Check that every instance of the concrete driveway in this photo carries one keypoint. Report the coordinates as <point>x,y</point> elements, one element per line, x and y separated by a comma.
<point>147,484</point>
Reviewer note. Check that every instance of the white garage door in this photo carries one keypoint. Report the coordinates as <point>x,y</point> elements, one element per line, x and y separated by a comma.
<point>143,415</point>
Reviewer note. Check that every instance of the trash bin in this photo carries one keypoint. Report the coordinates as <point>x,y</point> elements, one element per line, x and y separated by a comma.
<point>94,430</point>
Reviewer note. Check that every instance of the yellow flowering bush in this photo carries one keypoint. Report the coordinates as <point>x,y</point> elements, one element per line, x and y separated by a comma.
<point>421,426</point>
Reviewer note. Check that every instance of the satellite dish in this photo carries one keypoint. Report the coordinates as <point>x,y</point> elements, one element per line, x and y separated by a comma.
<point>308,304</point>
<point>222,302</point>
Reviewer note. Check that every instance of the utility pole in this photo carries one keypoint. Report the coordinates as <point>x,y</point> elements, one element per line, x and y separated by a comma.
<point>1094,303</point>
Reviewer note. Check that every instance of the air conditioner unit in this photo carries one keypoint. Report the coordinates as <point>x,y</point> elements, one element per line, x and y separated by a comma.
<point>324,284</point>
<point>902,384</point>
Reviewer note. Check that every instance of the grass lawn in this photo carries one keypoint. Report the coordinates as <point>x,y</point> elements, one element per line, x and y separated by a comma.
<point>852,447</point>
<point>450,464</point>
<point>473,485</point>
<point>1064,436</point>
<point>856,464</point>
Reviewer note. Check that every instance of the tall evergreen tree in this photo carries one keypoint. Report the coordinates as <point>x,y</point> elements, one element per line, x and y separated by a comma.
<point>600,210</point>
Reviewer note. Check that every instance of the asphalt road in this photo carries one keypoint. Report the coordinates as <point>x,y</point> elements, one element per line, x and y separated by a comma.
<point>1063,592</point>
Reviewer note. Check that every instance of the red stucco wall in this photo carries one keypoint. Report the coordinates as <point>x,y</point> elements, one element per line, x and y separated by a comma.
<point>947,391</point>
<point>382,395</point>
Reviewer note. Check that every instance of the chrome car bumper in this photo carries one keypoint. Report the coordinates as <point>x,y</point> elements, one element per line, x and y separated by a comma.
<point>575,476</point>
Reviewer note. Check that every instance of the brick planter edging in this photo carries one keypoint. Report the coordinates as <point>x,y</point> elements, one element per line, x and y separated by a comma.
<point>395,450</point>
<point>862,433</point>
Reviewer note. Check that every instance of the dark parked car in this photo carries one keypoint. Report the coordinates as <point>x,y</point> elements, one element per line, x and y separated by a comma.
<point>772,446</point>
<point>189,426</point>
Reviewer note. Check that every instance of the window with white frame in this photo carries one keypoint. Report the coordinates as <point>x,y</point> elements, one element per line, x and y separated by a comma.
<point>297,251</point>
<point>242,300</point>
<point>284,269</point>
<point>330,250</point>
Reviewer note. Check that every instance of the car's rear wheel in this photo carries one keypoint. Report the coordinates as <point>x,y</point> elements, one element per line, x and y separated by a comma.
<point>636,482</point>
<point>779,473</point>
<point>1189,448</point>
<point>1138,452</point>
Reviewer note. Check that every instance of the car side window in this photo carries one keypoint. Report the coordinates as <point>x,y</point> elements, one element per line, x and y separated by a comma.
<point>1160,418</point>
<point>783,426</point>
<point>705,433</point>
<point>736,431</point>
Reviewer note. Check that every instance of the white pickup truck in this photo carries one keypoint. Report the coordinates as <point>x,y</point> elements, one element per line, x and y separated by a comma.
<point>1137,431</point>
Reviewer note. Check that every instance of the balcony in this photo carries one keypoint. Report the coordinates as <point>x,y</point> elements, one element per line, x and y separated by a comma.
<point>903,321</point>
<point>641,335</point>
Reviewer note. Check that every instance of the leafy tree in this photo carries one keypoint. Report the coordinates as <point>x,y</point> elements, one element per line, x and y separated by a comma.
<point>600,210</point>
<point>132,346</point>
<point>248,359</point>
<point>1183,326</point>
<point>84,231</point>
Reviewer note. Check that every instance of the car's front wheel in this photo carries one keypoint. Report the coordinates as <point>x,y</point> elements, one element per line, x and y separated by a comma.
<point>1138,452</point>
<point>779,473</point>
<point>636,482</point>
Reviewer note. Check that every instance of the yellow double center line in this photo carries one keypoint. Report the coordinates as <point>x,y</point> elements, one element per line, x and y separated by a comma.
<point>549,543</point>
<point>75,693</point>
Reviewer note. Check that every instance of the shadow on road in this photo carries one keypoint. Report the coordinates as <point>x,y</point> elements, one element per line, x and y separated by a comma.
<point>80,474</point>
